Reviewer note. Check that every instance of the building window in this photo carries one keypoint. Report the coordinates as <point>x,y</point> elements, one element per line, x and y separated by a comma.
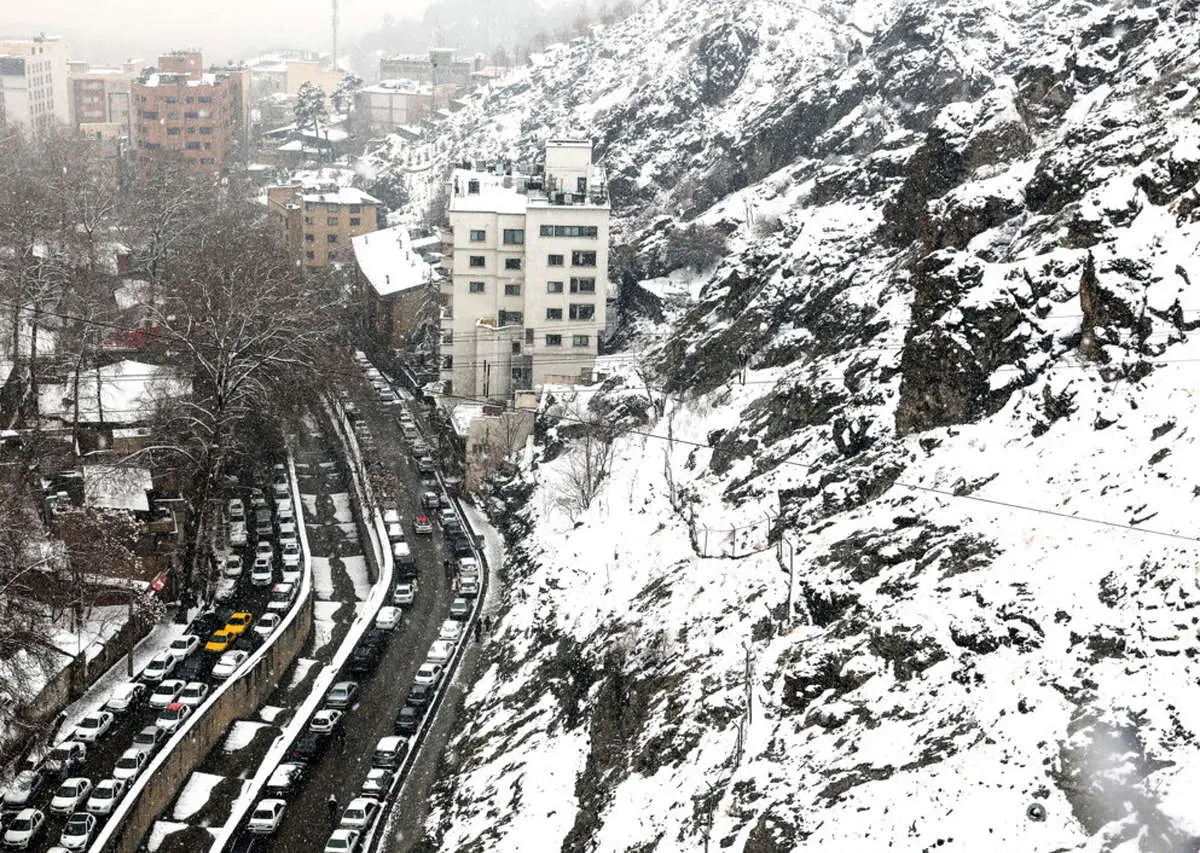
<point>150,114</point>
<point>173,131</point>
<point>582,311</point>
<point>331,208</point>
<point>206,131</point>
<point>208,161</point>
<point>475,287</point>
<point>554,260</point>
<point>553,313</point>
<point>192,146</point>
<point>476,260</point>
<point>583,259</point>
<point>554,287</point>
<point>554,340</point>
<point>448,337</point>
<point>331,220</point>
<point>514,236</point>
<point>512,290</point>
<point>356,208</point>
<point>529,337</point>
<point>333,256</point>
<point>191,113</point>
<point>516,347</point>
<point>569,231</point>
<point>581,340</point>
<point>330,238</point>
<point>355,220</point>
<point>308,220</point>
<point>511,318</point>
<point>583,285</point>
<point>478,236</point>
<point>512,263</point>
<point>309,238</point>
<point>309,255</point>
<point>172,100</point>
<point>204,99</point>
<point>308,205</point>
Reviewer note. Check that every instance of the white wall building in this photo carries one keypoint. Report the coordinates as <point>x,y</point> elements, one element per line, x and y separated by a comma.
<point>33,81</point>
<point>525,303</point>
<point>392,104</point>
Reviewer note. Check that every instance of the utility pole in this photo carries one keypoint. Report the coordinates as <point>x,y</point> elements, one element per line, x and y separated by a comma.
<point>334,65</point>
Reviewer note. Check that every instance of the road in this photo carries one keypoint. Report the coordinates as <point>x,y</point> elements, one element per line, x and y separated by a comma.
<point>340,578</point>
<point>341,770</point>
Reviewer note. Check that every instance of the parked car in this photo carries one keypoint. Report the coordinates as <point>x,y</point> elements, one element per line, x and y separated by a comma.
<point>282,596</point>
<point>263,572</point>
<point>280,489</point>
<point>419,695</point>
<point>468,587</point>
<point>408,719</point>
<point>266,816</point>
<point>287,531</point>
<point>263,526</point>
<point>359,813</point>
<point>460,546</point>
<point>24,788</point>
<point>228,664</point>
<point>161,666</point>
<point>232,567</point>
<point>375,639</point>
<point>285,779</point>
<point>149,739</point>
<point>194,668</point>
<point>422,524</point>
<point>183,645</point>
<point>404,594</point>
<point>219,641</point>
<point>70,795</point>
<point>446,515</point>
<point>167,692</point>
<point>267,623</point>
<point>237,510</point>
<point>105,796</point>
<point>258,500</point>
<point>239,622</point>
<point>284,511</point>
<point>342,841</point>
<point>25,828</point>
<point>363,660</point>
<point>93,726</point>
<point>307,747</point>
<point>193,694</point>
<point>391,516</point>
<point>172,716</point>
<point>237,534</point>
<point>325,720</point>
<point>342,695</point>
<point>406,568</point>
<point>426,467</point>
<point>77,834</point>
<point>388,618</point>
<point>395,533</point>
<point>378,782</point>
<point>451,630</point>
<point>130,764</point>
<point>290,554</point>
<point>65,757</point>
<point>468,567</point>
<point>125,697</point>
<point>428,673</point>
<point>400,549</point>
<point>460,609</point>
<point>429,500</point>
<point>264,549</point>
<point>440,651</point>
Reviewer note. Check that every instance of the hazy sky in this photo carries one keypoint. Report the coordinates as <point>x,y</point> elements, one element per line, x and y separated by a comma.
<point>112,30</point>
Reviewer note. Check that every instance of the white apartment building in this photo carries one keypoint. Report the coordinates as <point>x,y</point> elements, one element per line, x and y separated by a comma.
<point>525,302</point>
<point>33,81</point>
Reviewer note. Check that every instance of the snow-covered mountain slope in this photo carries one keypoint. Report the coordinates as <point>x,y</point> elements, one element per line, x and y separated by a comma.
<point>944,370</point>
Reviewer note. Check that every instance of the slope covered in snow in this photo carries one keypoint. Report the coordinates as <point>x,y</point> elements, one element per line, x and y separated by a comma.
<point>943,370</point>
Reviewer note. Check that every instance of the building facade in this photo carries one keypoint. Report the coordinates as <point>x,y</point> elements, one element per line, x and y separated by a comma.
<point>33,82</point>
<point>526,300</point>
<point>181,108</point>
<point>317,223</point>
<point>439,67</point>
<point>102,99</point>
<point>391,104</point>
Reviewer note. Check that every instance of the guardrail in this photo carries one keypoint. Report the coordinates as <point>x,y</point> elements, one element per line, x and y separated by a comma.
<point>376,533</point>
<point>240,695</point>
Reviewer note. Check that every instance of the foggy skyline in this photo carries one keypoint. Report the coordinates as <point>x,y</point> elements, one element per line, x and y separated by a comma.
<point>223,29</point>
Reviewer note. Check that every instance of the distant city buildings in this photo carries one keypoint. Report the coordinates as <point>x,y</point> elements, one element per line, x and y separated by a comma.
<point>33,82</point>
<point>102,100</point>
<point>201,115</point>
<point>390,105</point>
<point>283,72</point>
<point>526,302</point>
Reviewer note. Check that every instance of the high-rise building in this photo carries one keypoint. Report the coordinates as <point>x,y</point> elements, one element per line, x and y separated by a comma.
<point>525,304</point>
<point>180,107</point>
<point>33,81</point>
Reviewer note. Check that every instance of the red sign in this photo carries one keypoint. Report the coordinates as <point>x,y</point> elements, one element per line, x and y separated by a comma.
<point>160,580</point>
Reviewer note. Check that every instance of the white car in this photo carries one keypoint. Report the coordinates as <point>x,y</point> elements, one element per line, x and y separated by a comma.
<point>105,796</point>
<point>378,781</point>
<point>428,673</point>
<point>160,666</point>
<point>166,693</point>
<point>262,574</point>
<point>24,788</point>
<point>468,587</point>
<point>287,531</point>
<point>266,816</point>
<point>77,834</point>
<point>228,664</point>
<point>70,794</point>
<point>280,490</point>
<point>359,813</point>
<point>25,828</point>
<point>388,618</point>
<point>404,594</point>
<point>237,510</point>
<point>284,511</point>
<point>68,754</point>
<point>184,645</point>
<point>237,534</point>
<point>194,693</point>
<point>93,727</point>
<point>291,554</point>
<point>232,567</point>
<point>391,516</point>
<point>342,841</point>
<point>468,567</point>
<point>282,596</point>
<point>325,720</point>
<point>130,764</point>
<point>226,587</point>
<point>264,549</point>
<point>266,623</point>
<point>451,630</point>
<point>400,550</point>
<point>125,697</point>
<point>440,651</point>
<point>172,716</point>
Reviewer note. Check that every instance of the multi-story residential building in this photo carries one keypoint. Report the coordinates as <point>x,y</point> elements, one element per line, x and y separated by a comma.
<point>391,104</point>
<point>439,68</point>
<point>102,98</point>
<point>33,81</point>
<point>525,304</point>
<point>318,223</point>
<point>284,72</point>
<point>180,107</point>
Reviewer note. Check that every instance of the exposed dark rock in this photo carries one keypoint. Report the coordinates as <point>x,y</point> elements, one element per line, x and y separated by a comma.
<point>723,54</point>
<point>908,649</point>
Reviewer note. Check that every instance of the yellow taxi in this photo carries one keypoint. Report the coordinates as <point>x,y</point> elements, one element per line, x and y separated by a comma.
<point>219,641</point>
<point>238,623</point>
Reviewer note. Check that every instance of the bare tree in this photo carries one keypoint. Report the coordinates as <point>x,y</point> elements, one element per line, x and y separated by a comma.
<point>586,465</point>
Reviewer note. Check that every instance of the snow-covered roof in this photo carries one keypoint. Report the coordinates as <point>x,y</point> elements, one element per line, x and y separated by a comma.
<point>117,487</point>
<point>462,415</point>
<point>342,195</point>
<point>426,242</point>
<point>493,195</point>
<point>129,391</point>
<point>131,293</point>
<point>399,87</point>
<point>388,261</point>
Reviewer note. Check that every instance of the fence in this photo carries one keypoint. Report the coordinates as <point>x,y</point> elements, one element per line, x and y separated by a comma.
<point>735,542</point>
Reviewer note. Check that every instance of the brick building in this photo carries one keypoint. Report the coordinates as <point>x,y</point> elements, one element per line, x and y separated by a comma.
<point>318,223</point>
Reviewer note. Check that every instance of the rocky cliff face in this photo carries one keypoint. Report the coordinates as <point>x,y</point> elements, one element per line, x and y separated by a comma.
<point>941,371</point>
